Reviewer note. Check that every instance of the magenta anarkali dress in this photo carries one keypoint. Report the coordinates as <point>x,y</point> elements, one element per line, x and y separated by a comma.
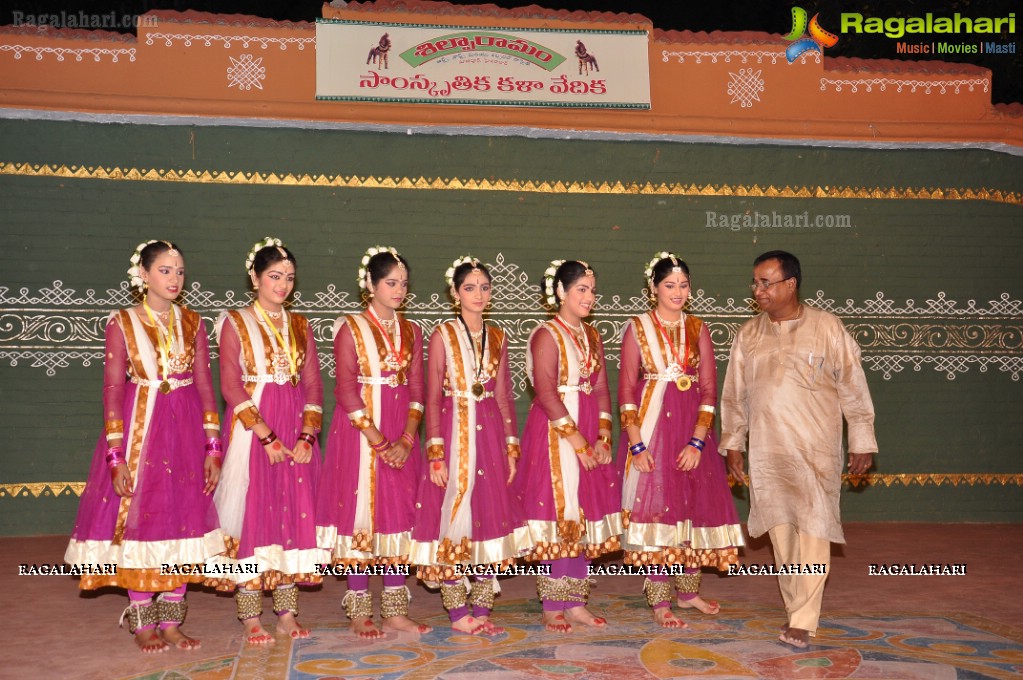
<point>570,511</point>
<point>267,510</point>
<point>672,516</point>
<point>168,520</point>
<point>475,520</point>
<point>366,509</point>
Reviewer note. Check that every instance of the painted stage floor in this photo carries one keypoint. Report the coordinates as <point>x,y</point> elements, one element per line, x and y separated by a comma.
<point>741,642</point>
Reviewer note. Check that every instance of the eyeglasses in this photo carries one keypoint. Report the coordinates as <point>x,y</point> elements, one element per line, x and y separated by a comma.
<point>755,285</point>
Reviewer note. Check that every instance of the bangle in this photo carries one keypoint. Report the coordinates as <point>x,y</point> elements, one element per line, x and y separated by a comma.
<point>637,448</point>
<point>307,438</point>
<point>406,437</point>
<point>513,450</point>
<point>606,438</point>
<point>583,450</point>
<point>435,452</point>
<point>115,456</point>
<point>381,445</point>
<point>213,447</point>
<point>697,444</point>
<point>269,439</point>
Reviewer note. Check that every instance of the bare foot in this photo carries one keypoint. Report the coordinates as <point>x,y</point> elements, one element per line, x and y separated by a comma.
<point>364,628</point>
<point>288,625</point>
<point>583,616</point>
<point>404,623</point>
<point>255,634</point>
<point>797,637</point>
<point>172,635</point>
<point>488,627</point>
<point>555,622</point>
<point>149,642</point>
<point>706,606</point>
<point>468,625</point>
<point>665,618</point>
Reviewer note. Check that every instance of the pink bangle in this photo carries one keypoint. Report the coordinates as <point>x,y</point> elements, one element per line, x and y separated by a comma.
<point>115,456</point>
<point>381,445</point>
<point>408,438</point>
<point>213,449</point>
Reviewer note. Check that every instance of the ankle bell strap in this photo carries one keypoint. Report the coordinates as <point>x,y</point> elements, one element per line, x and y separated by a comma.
<point>452,595</point>
<point>394,602</point>
<point>656,591</point>
<point>285,600</point>
<point>141,615</point>
<point>358,604</point>
<point>171,611</point>
<point>688,583</point>
<point>482,593</point>
<point>249,604</point>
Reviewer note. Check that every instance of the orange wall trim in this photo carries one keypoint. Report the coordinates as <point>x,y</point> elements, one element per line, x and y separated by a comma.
<point>727,86</point>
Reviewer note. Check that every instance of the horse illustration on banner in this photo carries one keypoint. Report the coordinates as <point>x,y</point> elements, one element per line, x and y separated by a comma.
<point>378,54</point>
<point>586,60</point>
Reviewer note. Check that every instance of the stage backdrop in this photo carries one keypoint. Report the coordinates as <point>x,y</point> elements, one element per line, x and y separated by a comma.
<point>917,250</point>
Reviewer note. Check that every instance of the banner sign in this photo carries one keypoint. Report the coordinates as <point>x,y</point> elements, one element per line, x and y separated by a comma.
<point>368,61</point>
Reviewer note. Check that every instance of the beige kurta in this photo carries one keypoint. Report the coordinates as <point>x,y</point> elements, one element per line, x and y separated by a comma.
<point>788,386</point>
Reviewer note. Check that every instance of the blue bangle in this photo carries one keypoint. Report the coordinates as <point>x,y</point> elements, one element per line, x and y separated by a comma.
<point>697,444</point>
<point>636,449</point>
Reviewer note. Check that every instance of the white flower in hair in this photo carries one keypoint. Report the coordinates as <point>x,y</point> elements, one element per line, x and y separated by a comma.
<point>135,270</point>
<point>649,271</point>
<point>548,275</point>
<point>364,263</point>
<point>449,275</point>
<point>267,242</point>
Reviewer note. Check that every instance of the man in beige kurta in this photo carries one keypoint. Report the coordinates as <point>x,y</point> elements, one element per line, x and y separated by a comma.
<point>794,373</point>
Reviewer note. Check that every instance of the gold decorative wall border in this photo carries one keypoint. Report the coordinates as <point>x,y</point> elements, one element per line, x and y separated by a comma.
<point>935,479</point>
<point>55,489</point>
<point>520,186</point>
<point>37,489</point>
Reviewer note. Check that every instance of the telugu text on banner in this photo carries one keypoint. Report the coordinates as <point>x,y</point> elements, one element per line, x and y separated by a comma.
<point>360,61</point>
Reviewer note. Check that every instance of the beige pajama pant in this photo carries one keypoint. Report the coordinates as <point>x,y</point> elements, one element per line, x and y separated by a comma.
<point>801,593</point>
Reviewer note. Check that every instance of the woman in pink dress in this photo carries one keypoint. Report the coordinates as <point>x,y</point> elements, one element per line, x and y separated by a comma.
<point>147,502</point>
<point>270,379</point>
<point>568,488</point>
<point>466,515</point>
<point>676,503</point>
<point>366,504</point>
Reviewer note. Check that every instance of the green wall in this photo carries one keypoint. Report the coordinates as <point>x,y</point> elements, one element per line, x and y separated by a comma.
<point>931,288</point>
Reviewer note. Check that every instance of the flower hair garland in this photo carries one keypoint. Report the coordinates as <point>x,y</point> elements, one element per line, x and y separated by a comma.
<point>449,275</point>
<point>375,250</point>
<point>135,270</point>
<point>548,282</point>
<point>267,242</point>
<point>663,255</point>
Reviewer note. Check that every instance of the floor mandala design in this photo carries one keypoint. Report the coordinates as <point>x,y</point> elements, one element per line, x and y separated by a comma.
<point>739,643</point>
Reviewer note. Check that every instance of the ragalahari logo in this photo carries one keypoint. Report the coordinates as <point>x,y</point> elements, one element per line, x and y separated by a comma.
<point>817,40</point>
